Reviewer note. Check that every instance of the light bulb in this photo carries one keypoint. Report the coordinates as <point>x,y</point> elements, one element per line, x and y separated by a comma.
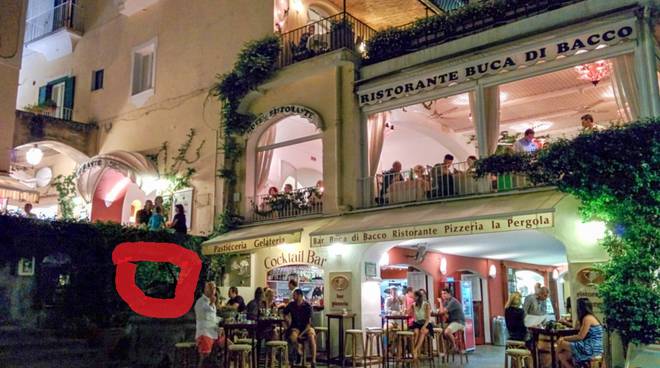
<point>34,155</point>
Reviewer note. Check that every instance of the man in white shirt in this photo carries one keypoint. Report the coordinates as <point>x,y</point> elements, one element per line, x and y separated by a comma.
<point>526,144</point>
<point>393,302</point>
<point>206,321</point>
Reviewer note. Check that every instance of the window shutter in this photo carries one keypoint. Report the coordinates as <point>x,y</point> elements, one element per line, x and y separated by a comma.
<point>69,88</point>
<point>42,95</point>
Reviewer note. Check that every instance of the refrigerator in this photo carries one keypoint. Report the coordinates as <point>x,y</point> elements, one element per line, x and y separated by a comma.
<point>468,310</point>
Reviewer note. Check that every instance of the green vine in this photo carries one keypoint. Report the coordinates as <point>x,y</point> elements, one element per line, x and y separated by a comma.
<point>178,176</point>
<point>66,192</point>
<point>615,173</point>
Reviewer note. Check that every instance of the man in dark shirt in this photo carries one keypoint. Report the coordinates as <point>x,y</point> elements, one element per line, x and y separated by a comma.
<point>235,301</point>
<point>455,317</point>
<point>300,330</point>
<point>390,177</point>
<point>142,216</point>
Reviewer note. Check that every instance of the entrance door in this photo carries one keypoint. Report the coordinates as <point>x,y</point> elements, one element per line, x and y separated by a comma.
<point>57,95</point>
<point>479,321</point>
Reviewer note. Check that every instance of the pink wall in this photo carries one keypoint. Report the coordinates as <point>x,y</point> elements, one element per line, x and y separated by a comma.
<point>102,213</point>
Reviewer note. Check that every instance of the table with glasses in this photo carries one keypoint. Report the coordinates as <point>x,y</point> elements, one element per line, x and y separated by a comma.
<point>554,335</point>
<point>233,326</point>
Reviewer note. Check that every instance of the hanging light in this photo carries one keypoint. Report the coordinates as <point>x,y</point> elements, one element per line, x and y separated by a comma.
<point>34,155</point>
<point>492,271</point>
<point>443,265</point>
<point>594,72</point>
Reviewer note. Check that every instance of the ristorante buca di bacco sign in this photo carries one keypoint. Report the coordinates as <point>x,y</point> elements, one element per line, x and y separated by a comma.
<point>513,223</point>
<point>609,35</point>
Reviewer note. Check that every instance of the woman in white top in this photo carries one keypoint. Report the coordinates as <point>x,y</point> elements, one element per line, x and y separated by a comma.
<point>422,326</point>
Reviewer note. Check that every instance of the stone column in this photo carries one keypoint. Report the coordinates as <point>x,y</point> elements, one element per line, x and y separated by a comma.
<point>645,66</point>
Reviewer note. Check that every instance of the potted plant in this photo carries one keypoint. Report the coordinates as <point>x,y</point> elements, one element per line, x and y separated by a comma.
<point>342,35</point>
<point>48,106</point>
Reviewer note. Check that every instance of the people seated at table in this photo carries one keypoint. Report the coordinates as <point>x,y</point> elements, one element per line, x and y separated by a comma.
<point>299,315</point>
<point>269,298</point>
<point>453,309</point>
<point>207,334</point>
<point>587,344</point>
<point>442,178</point>
<point>421,326</point>
<point>255,305</point>
<point>393,302</point>
<point>390,176</point>
<point>514,317</point>
<point>235,301</point>
<point>536,305</point>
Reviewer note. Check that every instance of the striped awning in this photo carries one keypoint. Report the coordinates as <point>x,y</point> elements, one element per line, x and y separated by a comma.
<point>12,189</point>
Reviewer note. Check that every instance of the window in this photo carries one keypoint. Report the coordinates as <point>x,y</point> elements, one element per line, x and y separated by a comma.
<point>144,68</point>
<point>97,79</point>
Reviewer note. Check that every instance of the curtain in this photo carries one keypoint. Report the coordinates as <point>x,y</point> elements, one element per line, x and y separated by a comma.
<point>265,158</point>
<point>376,136</point>
<point>491,126</point>
<point>625,88</point>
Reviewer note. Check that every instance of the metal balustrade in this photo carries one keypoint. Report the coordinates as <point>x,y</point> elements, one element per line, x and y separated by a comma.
<point>59,112</point>
<point>66,15</point>
<point>301,202</point>
<point>333,33</point>
<point>432,183</point>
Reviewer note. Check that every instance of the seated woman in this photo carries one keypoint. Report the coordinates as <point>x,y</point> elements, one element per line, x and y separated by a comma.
<point>515,318</point>
<point>588,343</point>
<point>422,326</point>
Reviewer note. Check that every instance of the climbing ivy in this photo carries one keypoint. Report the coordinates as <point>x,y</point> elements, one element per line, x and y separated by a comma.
<point>66,192</point>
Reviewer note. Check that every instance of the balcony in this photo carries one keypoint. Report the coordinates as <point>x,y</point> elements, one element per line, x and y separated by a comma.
<point>333,33</point>
<point>301,202</point>
<point>55,32</point>
<point>423,184</point>
<point>31,127</point>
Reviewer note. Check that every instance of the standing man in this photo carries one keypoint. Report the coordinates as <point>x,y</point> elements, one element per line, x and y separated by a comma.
<point>393,302</point>
<point>206,333</point>
<point>526,144</point>
<point>300,330</point>
<point>454,311</point>
<point>536,304</point>
<point>588,124</point>
<point>28,211</point>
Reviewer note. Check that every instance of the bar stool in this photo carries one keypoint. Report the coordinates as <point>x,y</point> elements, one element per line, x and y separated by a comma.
<point>322,331</point>
<point>404,349</point>
<point>427,345</point>
<point>375,337</point>
<point>275,347</point>
<point>513,344</point>
<point>595,362</point>
<point>519,358</point>
<point>239,354</point>
<point>441,349</point>
<point>185,354</point>
<point>459,339</point>
<point>356,336</point>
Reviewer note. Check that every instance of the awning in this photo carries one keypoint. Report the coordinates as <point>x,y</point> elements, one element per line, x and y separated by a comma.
<point>11,188</point>
<point>460,217</point>
<point>133,165</point>
<point>256,237</point>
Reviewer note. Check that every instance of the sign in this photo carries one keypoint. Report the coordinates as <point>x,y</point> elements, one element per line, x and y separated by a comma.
<point>370,270</point>
<point>300,257</point>
<point>284,111</point>
<point>26,267</point>
<point>607,35</point>
<point>183,197</point>
<point>340,291</point>
<point>512,223</point>
<point>586,281</point>
<point>251,243</point>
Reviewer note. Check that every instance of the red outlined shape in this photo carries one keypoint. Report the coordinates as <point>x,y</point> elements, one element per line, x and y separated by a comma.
<point>124,257</point>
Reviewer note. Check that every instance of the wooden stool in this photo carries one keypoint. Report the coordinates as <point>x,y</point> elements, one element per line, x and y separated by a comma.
<point>440,347</point>
<point>459,339</point>
<point>239,354</point>
<point>243,341</point>
<point>515,344</point>
<point>185,355</point>
<point>404,348</point>
<point>322,331</point>
<point>274,347</point>
<point>519,358</point>
<point>427,346</point>
<point>595,362</point>
<point>356,336</point>
<point>375,337</point>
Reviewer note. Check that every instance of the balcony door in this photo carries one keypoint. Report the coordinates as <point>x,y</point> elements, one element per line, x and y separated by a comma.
<point>57,95</point>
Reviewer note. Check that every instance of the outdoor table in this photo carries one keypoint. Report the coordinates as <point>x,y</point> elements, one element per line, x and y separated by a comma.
<point>250,327</point>
<point>339,359</point>
<point>402,319</point>
<point>554,335</point>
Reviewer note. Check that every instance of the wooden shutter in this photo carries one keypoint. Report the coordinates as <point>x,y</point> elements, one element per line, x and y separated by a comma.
<point>43,90</point>
<point>69,89</point>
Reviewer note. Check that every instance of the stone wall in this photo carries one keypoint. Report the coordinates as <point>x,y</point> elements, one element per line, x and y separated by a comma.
<point>31,127</point>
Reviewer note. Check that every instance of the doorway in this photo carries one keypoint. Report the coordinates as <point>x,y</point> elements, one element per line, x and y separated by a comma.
<point>57,95</point>
<point>480,309</point>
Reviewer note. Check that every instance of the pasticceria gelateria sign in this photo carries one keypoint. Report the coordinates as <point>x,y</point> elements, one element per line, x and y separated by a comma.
<point>511,223</point>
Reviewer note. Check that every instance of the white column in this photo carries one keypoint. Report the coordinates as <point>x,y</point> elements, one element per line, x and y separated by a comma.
<point>479,120</point>
<point>645,67</point>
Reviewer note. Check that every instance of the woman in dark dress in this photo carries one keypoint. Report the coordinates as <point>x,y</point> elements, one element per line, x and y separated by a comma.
<point>179,221</point>
<point>515,318</point>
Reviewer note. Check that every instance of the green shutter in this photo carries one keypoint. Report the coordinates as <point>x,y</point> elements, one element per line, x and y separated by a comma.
<point>42,95</point>
<point>69,89</point>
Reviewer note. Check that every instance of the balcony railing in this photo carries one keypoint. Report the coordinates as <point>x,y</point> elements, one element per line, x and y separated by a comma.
<point>433,183</point>
<point>66,15</point>
<point>333,33</point>
<point>301,202</point>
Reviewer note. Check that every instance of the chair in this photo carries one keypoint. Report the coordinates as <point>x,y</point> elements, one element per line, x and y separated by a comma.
<point>275,347</point>
<point>375,342</point>
<point>239,354</point>
<point>185,355</point>
<point>405,345</point>
<point>519,358</point>
<point>356,336</point>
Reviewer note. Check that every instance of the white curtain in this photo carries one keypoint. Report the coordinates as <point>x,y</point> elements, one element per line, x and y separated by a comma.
<point>376,136</point>
<point>265,158</point>
<point>625,88</point>
<point>491,97</point>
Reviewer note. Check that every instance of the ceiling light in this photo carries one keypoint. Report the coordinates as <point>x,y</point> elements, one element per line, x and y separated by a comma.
<point>503,96</point>
<point>461,100</point>
<point>555,274</point>
<point>594,72</point>
<point>34,155</point>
